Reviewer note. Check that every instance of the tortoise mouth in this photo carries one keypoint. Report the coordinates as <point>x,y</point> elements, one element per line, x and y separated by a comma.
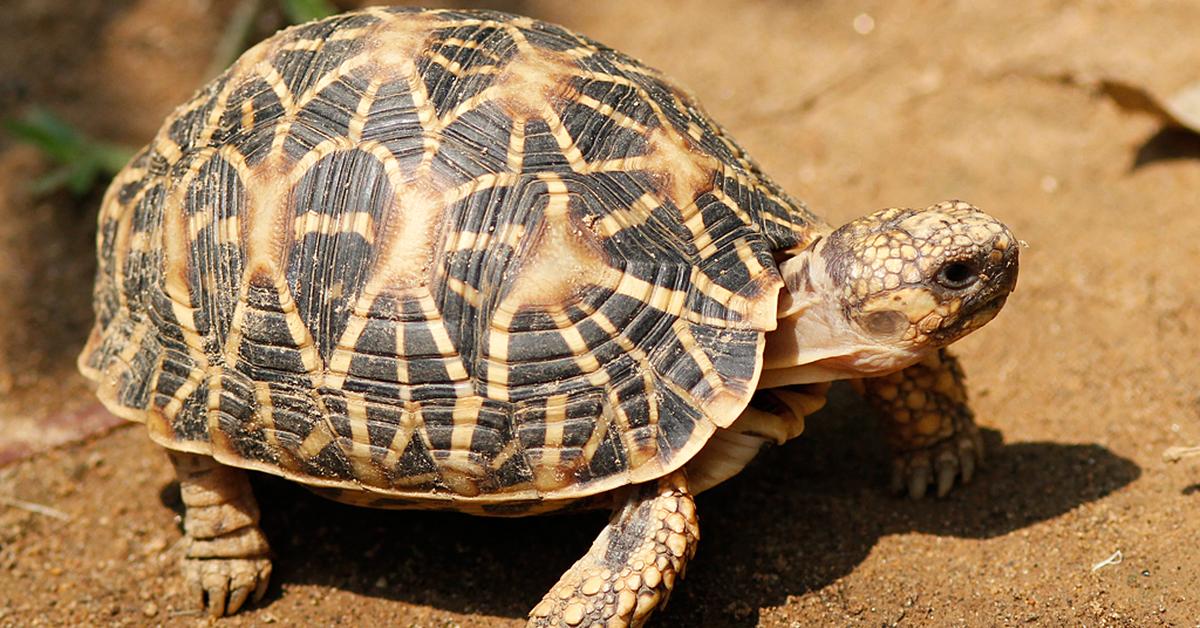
<point>983,314</point>
<point>991,307</point>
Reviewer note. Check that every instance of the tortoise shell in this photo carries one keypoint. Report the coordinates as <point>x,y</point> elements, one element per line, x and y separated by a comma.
<point>439,257</point>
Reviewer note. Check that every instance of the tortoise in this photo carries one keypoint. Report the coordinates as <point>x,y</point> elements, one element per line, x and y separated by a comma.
<point>473,261</point>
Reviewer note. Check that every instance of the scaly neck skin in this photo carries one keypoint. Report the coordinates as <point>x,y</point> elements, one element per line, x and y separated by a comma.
<point>815,341</point>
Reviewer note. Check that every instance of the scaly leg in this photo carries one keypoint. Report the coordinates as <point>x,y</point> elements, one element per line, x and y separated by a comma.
<point>929,425</point>
<point>632,566</point>
<point>226,559</point>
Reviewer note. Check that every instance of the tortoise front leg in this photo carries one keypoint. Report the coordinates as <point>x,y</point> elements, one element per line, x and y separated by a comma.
<point>632,566</point>
<point>929,425</point>
<point>226,559</point>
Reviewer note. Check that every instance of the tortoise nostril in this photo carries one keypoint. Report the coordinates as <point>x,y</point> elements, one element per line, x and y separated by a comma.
<point>957,275</point>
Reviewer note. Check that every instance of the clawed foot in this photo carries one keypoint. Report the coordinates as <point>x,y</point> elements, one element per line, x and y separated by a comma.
<point>616,601</point>
<point>929,425</point>
<point>958,456</point>
<point>222,585</point>
<point>226,558</point>
<point>224,571</point>
<point>632,566</point>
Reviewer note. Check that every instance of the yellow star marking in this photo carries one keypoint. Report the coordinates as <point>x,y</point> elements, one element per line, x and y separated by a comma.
<point>316,441</point>
<point>623,121</point>
<point>516,147</point>
<point>565,143</point>
<point>247,114</point>
<point>358,449</point>
<point>532,79</point>
<point>410,420</point>
<point>445,346</point>
<point>265,414</point>
<point>497,356</point>
<point>213,123</point>
<point>548,473</point>
<point>312,222</point>
<point>562,259</point>
<point>218,438</point>
<point>620,218</point>
<point>466,419</point>
<point>711,377</point>
<point>569,332</point>
<point>358,121</point>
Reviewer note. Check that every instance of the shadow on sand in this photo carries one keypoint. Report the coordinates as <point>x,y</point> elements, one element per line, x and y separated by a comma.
<point>800,517</point>
<point>1168,144</point>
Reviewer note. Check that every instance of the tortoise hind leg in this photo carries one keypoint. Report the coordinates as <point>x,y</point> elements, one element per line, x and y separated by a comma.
<point>226,559</point>
<point>632,566</point>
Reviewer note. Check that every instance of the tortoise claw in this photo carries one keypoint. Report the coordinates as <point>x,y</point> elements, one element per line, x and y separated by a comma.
<point>918,481</point>
<point>237,597</point>
<point>968,464</point>
<point>957,457</point>
<point>947,469</point>
<point>221,586</point>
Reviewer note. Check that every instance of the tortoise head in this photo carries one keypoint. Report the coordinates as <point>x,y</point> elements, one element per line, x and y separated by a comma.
<point>882,292</point>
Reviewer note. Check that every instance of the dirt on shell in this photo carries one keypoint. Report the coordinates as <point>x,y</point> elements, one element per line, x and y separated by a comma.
<point>1088,375</point>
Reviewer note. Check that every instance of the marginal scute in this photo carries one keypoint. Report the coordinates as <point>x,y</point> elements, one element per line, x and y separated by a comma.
<point>439,259</point>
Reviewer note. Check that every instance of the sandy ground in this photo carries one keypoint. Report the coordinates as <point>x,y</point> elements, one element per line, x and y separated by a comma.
<point>1082,382</point>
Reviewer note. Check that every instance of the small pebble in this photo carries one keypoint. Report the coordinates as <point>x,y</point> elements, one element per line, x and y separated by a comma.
<point>863,24</point>
<point>154,546</point>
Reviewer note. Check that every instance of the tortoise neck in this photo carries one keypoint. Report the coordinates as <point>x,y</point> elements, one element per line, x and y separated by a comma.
<point>815,340</point>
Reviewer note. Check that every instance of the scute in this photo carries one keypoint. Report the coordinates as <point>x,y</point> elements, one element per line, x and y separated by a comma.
<point>443,259</point>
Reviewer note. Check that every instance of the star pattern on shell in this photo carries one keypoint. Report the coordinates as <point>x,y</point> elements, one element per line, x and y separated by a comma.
<point>439,256</point>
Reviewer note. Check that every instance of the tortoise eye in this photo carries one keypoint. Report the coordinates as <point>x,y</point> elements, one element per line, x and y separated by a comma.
<point>957,275</point>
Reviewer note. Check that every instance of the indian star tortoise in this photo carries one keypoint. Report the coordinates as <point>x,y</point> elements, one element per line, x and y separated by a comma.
<point>473,261</point>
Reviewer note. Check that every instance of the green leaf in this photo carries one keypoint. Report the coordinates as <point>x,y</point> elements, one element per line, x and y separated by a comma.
<point>82,163</point>
<point>301,11</point>
<point>58,178</point>
<point>47,132</point>
<point>83,176</point>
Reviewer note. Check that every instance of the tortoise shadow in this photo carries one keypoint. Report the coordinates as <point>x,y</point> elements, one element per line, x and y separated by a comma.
<point>498,567</point>
<point>834,483</point>
<point>825,489</point>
